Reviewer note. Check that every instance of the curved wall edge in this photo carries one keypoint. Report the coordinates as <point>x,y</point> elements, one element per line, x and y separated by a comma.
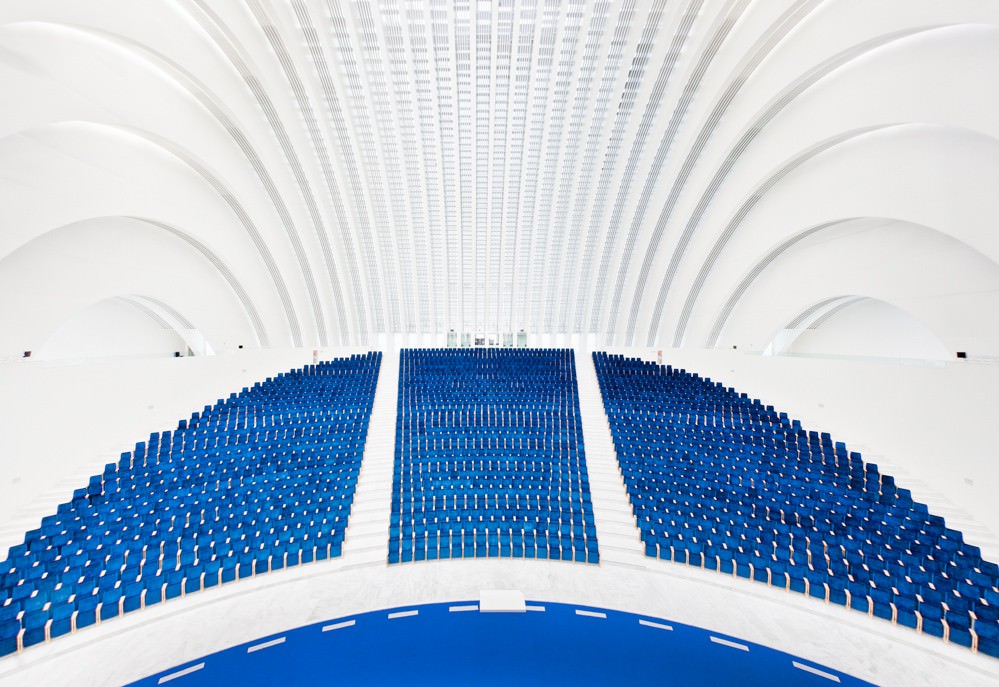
<point>153,640</point>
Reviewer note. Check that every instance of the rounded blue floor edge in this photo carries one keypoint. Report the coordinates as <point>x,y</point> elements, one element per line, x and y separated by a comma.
<point>455,644</point>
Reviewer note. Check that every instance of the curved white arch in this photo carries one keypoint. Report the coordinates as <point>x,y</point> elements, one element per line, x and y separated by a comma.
<point>899,172</point>
<point>225,39</point>
<point>858,326</point>
<point>203,173</point>
<point>768,183</point>
<point>772,256</point>
<point>126,326</point>
<point>64,270</point>
<point>774,108</point>
<point>947,285</point>
<point>787,22</point>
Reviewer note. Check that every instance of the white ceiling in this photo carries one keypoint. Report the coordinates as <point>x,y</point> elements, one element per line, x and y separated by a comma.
<point>646,172</point>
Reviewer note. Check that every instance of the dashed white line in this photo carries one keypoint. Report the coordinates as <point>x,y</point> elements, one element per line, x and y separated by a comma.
<point>339,626</point>
<point>265,645</point>
<point>725,642</point>
<point>402,614</point>
<point>180,673</point>
<point>591,614</point>
<point>658,626</point>
<point>815,671</point>
<point>461,609</point>
<point>535,608</point>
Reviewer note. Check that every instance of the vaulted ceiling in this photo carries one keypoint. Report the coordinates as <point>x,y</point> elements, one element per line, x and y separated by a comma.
<point>638,172</point>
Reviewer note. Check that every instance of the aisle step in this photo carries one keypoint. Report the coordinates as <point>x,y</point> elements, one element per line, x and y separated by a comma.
<point>366,541</point>
<point>617,533</point>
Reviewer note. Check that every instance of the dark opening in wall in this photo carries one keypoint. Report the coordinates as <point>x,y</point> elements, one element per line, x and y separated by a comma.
<point>962,354</point>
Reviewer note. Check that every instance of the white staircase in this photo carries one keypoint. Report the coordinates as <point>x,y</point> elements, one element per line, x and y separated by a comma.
<point>366,542</point>
<point>617,534</point>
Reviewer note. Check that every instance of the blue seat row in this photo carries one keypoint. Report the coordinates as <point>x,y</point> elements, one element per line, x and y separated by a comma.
<point>256,482</point>
<point>719,480</point>
<point>489,458</point>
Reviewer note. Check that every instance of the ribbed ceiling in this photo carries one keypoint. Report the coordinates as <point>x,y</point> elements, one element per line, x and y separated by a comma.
<point>640,172</point>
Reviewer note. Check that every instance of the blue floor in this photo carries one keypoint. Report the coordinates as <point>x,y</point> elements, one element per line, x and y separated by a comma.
<point>439,647</point>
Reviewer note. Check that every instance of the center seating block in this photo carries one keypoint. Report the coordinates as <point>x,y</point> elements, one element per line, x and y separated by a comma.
<point>489,452</point>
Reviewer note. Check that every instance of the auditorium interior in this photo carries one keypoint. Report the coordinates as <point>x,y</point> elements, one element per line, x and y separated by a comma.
<point>500,342</point>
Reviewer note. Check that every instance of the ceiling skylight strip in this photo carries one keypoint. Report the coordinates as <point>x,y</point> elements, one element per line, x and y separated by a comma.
<point>435,285</point>
<point>466,182</point>
<point>445,105</point>
<point>344,221</point>
<point>394,232</point>
<point>318,142</point>
<point>412,214</point>
<point>542,69</point>
<point>621,120</point>
<point>638,143</point>
<point>555,139</point>
<point>581,102</point>
<point>416,182</point>
<point>371,160</point>
<point>594,142</point>
<point>485,265</point>
<point>498,147</point>
<point>648,189</point>
<point>515,157</point>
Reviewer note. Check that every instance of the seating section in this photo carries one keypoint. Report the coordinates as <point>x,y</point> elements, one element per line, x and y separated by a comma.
<point>257,482</point>
<point>720,481</point>
<point>489,457</point>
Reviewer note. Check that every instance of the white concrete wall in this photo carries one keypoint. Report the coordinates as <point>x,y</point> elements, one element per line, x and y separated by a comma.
<point>108,329</point>
<point>871,328</point>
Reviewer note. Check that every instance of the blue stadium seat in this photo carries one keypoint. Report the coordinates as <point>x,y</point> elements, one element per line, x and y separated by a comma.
<point>162,519</point>
<point>987,637</point>
<point>785,505</point>
<point>489,442</point>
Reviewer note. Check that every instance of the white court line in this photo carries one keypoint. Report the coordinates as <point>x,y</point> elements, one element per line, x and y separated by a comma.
<point>535,608</point>
<point>815,671</point>
<point>725,642</point>
<point>339,626</point>
<point>459,609</point>
<point>402,614</point>
<point>265,645</point>
<point>659,626</point>
<point>180,673</point>
<point>591,614</point>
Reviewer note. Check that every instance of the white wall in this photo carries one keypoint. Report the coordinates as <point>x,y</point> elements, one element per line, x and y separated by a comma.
<point>871,328</point>
<point>110,328</point>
